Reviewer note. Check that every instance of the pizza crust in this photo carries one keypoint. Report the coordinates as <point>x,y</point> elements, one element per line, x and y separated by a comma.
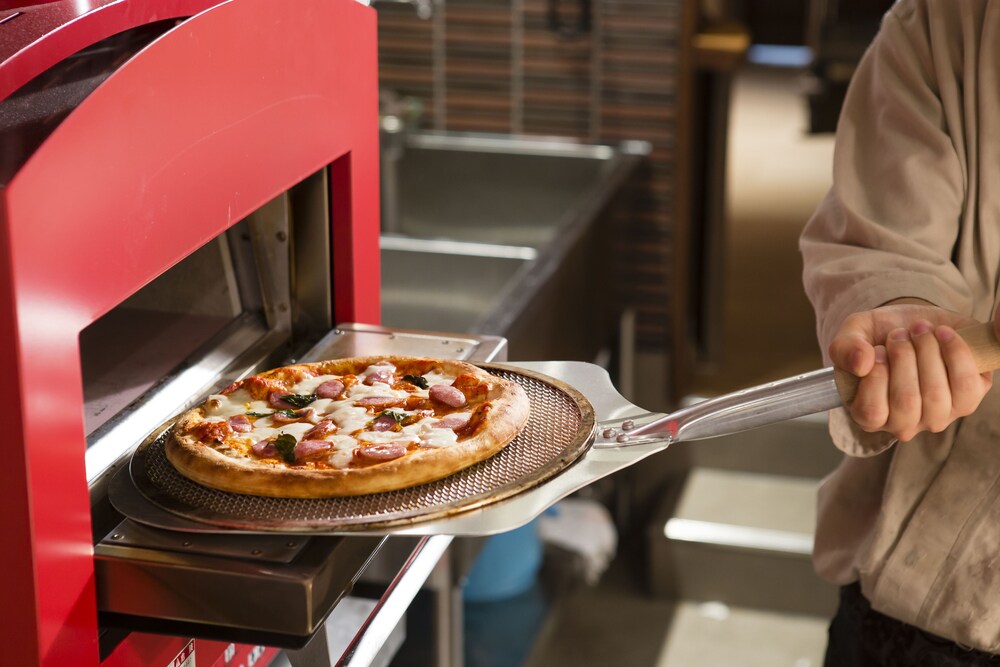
<point>204,464</point>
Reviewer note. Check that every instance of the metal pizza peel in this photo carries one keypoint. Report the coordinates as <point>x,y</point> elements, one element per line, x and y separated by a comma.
<point>581,429</point>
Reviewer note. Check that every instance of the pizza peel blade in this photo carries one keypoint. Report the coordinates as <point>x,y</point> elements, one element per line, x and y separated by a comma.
<point>582,429</point>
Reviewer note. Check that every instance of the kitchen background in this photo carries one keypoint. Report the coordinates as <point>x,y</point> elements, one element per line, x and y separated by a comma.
<point>736,103</point>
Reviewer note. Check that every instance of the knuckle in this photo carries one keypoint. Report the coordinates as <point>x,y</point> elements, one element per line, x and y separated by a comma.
<point>967,385</point>
<point>905,402</point>
<point>936,395</point>
<point>869,415</point>
<point>854,320</point>
<point>938,424</point>
<point>964,408</point>
<point>904,429</point>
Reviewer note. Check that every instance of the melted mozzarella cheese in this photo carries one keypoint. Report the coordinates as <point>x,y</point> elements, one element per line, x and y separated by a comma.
<point>431,436</point>
<point>296,429</point>
<point>437,437</point>
<point>437,377</point>
<point>378,368</point>
<point>263,423</point>
<point>343,442</point>
<point>378,389</point>
<point>386,437</point>
<point>340,458</point>
<point>222,405</point>
<point>308,385</point>
<point>348,418</point>
<point>321,405</point>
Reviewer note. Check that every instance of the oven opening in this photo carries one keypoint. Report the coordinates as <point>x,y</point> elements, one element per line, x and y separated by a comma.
<point>251,298</point>
<point>159,329</point>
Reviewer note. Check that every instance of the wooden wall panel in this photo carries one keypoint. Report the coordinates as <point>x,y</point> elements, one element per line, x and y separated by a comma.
<point>478,65</point>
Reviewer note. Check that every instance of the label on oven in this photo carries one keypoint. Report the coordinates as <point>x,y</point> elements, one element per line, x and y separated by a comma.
<point>185,658</point>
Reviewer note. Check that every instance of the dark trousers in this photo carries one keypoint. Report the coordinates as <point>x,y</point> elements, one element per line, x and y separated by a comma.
<point>862,637</point>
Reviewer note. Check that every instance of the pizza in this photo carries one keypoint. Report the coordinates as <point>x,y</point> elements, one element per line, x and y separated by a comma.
<point>347,427</point>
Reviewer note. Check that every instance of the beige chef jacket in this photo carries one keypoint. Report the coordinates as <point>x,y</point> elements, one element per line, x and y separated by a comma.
<point>915,212</point>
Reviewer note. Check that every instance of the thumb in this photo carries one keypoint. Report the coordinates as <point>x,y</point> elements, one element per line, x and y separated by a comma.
<point>853,353</point>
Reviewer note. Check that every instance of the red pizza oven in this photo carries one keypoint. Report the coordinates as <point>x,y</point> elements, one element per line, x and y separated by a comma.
<point>188,192</point>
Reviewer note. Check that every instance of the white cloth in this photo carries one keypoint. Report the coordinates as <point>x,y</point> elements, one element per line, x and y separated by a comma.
<point>583,527</point>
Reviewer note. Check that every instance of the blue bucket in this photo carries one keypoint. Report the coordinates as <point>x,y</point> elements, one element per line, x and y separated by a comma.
<point>507,565</point>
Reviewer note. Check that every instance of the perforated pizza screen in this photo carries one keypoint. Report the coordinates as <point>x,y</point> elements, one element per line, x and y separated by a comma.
<point>558,431</point>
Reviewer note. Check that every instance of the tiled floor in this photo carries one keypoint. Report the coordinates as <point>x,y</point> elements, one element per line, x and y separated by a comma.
<point>612,623</point>
<point>713,635</point>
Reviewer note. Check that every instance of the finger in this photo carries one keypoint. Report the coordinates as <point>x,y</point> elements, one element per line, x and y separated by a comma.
<point>935,390</point>
<point>904,386</point>
<point>852,353</point>
<point>853,348</point>
<point>966,384</point>
<point>870,407</point>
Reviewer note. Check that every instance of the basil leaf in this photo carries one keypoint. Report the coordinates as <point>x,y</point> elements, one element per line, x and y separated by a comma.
<point>288,414</point>
<point>259,414</point>
<point>299,400</point>
<point>397,416</point>
<point>285,444</point>
<point>411,419</point>
<point>418,380</point>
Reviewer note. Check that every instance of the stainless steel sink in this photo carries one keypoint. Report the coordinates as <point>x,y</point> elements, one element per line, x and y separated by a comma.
<point>504,236</point>
<point>439,285</point>
<point>485,189</point>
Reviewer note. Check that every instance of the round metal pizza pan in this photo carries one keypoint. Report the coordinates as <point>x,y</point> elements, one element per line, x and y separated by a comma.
<point>559,431</point>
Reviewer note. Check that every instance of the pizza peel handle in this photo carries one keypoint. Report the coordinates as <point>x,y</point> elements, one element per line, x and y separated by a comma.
<point>769,403</point>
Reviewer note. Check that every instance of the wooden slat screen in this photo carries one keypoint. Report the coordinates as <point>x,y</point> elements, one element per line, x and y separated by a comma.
<point>495,66</point>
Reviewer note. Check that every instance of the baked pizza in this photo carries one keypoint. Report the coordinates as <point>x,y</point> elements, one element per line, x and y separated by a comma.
<point>347,427</point>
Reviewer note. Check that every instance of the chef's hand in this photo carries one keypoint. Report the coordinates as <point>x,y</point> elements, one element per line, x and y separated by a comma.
<point>916,373</point>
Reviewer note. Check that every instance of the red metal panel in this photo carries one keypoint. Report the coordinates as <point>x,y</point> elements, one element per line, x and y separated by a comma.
<point>34,38</point>
<point>156,651</point>
<point>353,298</point>
<point>208,123</point>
